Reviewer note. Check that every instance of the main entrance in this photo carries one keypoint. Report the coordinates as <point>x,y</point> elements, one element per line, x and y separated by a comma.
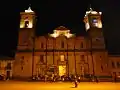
<point>62,70</point>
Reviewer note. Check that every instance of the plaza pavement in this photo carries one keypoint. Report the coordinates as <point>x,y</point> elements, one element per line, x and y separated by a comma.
<point>20,85</point>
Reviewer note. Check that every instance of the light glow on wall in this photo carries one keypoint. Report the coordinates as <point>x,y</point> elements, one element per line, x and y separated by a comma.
<point>62,70</point>
<point>62,58</point>
<point>87,26</point>
<point>27,16</point>
<point>97,24</point>
<point>92,12</point>
<point>57,33</point>
<point>22,24</point>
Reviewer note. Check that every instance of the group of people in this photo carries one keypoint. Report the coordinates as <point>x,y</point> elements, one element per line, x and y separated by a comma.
<point>54,78</point>
<point>4,77</point>
<point>76,79</point>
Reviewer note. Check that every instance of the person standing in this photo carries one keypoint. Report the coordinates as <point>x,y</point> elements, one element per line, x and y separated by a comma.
<point>52,77</point>
<point>79,79</point>
<point>76,82</point>
<point>115,78</point>
<point>46,76</point>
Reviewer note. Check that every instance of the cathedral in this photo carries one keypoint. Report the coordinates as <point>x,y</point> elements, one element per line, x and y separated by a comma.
<point>62,52</point>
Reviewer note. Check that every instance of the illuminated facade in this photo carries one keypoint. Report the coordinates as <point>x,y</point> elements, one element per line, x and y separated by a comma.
<point>61,53</point>
<point>6,64</point>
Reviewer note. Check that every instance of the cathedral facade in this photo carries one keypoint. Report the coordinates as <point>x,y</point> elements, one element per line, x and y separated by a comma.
<point>61,52</point>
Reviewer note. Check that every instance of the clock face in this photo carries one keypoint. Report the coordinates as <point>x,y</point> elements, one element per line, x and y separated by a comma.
<point>95,22</point>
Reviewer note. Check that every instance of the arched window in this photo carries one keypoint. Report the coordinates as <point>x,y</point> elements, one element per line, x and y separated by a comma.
<point>113,65</point>
<point>26,24</point>
<point>118,64</point>
<point>101,68</point>
<point>62,58</point>
<point>62,44</point>
<point>42,58</point>
<point>9,66</point>
<point>42,45</point>
<point>81,45</point>
<point>82,57</point>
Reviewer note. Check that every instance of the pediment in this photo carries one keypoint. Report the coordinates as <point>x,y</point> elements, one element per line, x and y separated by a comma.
<point>61,31</point>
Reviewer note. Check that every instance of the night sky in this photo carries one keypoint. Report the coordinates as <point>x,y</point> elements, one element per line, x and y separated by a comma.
<point>53,13</point>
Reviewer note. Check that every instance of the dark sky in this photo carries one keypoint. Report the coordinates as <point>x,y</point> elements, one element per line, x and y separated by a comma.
<point>53,13</point>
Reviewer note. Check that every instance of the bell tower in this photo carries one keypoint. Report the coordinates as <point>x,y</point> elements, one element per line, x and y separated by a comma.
<point>27,29</point>
<point>93,26</point>
<point>98,55</point>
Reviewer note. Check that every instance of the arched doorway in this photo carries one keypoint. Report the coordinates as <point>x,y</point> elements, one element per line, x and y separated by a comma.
<point>62,70</point>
